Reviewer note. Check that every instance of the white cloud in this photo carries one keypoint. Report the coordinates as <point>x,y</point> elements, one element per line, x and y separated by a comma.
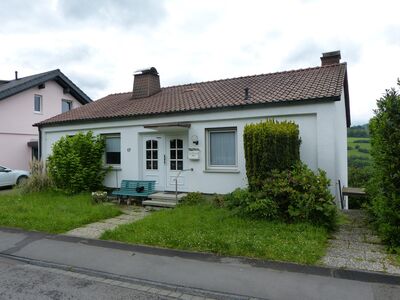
<point>100,43</point>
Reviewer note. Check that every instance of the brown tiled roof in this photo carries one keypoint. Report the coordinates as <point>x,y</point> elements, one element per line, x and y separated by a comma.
<point>318,84</point>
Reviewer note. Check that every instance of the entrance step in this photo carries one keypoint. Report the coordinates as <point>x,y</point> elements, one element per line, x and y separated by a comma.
<point>154,203</point>
<point>162,199</point>
<point>167,196</point>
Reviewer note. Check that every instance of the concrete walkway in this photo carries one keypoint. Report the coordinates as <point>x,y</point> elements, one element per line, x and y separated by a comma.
<point>95,230</point>
<point>355,246</point>
<point>184,272</point>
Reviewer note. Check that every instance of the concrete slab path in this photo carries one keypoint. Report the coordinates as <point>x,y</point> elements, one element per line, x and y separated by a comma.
<point>204,272</point>
<point>355,246</point>
<point>95,230</point>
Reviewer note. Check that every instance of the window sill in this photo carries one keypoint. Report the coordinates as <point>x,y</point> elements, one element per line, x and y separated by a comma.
<point>38,112</point>
<point>113,168</point>
<point>221,171</point>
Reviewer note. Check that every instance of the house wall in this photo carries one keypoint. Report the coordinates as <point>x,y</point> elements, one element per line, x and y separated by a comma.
<point>17,117</point>
<point>318,125</point>
<point>341,146</point>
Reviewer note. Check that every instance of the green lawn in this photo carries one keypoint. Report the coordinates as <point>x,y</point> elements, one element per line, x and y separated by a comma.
<point>209,229</point>
<point>51,212</point>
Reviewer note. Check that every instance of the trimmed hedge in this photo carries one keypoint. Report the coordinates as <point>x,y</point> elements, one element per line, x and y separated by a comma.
<point>270,145</point>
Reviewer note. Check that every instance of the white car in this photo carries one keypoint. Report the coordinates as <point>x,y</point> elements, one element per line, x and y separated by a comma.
<point>12,177</point>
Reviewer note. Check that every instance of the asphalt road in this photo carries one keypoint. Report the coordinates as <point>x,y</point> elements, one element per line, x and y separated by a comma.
<point>22,281</point>
<point>184,272</point>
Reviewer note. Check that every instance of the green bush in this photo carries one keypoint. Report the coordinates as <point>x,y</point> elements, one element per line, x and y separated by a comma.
<point>384,187</point>
<point>358,161</point>
<point>193,199</point>
<point>268,146</point>
<point>296,195</point>
<point>76,163</point>
<point>38,181</point>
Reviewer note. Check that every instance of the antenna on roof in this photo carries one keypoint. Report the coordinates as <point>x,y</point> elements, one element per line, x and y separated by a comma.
<point>16,75</point>
<point>246,94</point>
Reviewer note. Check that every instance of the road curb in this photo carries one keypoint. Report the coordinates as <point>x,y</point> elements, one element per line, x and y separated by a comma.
<point>155,287</point>
<point>349,274</point>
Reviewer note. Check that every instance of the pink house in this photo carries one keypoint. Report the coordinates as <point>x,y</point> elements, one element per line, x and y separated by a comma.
<point>29,100</point>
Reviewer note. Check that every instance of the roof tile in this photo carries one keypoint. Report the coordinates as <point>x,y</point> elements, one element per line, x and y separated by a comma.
<point>316,83</point>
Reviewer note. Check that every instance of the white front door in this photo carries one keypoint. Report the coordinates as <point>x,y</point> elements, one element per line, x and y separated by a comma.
<point>154,160</point>
<point>176,157</point>
<point>164,161</point>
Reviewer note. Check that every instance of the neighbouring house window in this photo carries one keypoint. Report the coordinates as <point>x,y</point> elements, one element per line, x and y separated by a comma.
<point>221,148</point>
<point>151,155</point>
<point>35,153</point>
<point>113,149</point>
<point>37,104</point>
<point>66,105</point>
<point>176,154</point>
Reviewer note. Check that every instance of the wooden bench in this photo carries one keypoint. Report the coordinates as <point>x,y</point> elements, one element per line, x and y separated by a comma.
<point>134,189</point>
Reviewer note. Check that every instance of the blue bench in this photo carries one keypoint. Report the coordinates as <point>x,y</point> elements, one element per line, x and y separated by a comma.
<point>135,189</point>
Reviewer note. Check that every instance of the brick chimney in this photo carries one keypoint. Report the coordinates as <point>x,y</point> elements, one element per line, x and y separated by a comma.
<point>330,58</point>
<point>146,83</point>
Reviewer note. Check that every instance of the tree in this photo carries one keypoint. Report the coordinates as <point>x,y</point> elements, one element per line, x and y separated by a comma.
<point>384,187</point>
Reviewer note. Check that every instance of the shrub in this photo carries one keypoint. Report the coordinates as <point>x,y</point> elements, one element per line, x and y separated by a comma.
<point>359,161</point>
<point>99,197</point>
<point>219,201</point>
<point>77,163</point>
<point>38,181</point>
<point>349,148</point>
<point>296,195</point>
<point>384,187</point>
<point>268,146</point>
<point>193,199</point>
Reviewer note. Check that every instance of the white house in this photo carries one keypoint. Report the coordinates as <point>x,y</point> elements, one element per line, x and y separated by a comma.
<point>194,132</point>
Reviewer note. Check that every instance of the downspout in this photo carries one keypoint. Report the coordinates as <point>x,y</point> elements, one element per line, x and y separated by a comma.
<point>40,144</point>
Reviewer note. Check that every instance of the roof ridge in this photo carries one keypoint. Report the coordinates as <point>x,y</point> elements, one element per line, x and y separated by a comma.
<point>256,75</point>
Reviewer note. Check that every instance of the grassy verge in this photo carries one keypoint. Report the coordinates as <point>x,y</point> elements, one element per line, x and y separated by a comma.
<point>51,211</point>
<point>208,229</point>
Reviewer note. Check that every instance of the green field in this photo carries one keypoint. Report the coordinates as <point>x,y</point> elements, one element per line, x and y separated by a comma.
<point>358,147</point>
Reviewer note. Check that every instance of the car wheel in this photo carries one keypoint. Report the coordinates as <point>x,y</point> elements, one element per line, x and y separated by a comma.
<point>21,180</point>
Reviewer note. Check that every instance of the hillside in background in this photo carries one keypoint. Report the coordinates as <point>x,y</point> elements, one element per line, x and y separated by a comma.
<point>359,160</point>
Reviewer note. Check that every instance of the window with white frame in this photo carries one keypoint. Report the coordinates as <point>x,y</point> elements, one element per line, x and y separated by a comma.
<point>37,104</point>
<point>221,148</point>
<point>113,149</point>
<point>66,105</point>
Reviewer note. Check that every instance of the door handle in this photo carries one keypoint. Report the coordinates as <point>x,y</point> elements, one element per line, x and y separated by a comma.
<point>165,160</point>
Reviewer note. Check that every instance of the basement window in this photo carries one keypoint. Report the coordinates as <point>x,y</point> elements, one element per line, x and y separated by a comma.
<point>113,149</point>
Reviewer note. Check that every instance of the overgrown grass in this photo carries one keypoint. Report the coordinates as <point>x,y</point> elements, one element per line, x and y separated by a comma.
<point>51,212</point>
<point>209,229</point>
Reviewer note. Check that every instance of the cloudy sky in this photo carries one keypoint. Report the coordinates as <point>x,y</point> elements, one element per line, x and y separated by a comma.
<point>99,44</point>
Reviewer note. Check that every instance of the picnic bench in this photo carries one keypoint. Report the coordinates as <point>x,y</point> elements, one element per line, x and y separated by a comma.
<point>134,189</point>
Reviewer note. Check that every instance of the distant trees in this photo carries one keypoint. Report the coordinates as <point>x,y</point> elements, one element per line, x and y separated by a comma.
<point>358,131</point>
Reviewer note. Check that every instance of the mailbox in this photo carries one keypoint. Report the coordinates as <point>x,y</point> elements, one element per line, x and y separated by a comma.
<point>194,153</point>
